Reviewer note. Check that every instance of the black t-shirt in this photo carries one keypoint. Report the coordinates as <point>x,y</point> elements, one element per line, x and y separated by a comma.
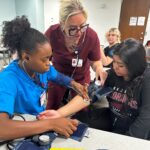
<point>130,110</point>
<point>108,51</point>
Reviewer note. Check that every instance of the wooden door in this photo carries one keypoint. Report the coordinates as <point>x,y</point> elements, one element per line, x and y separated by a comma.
<point>133,18</point>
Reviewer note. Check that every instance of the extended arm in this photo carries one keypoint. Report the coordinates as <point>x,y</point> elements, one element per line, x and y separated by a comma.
<point>75,105</point>
<point>11,129</point>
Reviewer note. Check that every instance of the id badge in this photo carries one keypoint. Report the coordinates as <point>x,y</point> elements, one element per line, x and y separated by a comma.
<point>43,98</point>
<point>77,63</point>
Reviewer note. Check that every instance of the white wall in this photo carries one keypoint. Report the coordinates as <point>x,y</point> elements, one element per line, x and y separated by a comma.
<point>102,14</point>
<point>51,12</point>
<point>7,11</point>
<point>33,9</point>
<point>40,15</point>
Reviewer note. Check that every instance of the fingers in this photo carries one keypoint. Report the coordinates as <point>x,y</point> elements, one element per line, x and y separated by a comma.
<point>84,91</point>
<point>86,96</point>
<point>75,122</point>
<point>102,75</point>
<point>65,126</point>
<point>44,112</point>
<point>41,117</point>
<point>97,76</point>
<point>86,86</point>
<point>102,82</point>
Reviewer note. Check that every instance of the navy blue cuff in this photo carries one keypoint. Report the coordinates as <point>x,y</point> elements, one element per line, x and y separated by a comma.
<point>64,80</point>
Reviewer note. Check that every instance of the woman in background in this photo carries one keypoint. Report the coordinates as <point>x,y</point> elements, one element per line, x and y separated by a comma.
<point>113,37</point>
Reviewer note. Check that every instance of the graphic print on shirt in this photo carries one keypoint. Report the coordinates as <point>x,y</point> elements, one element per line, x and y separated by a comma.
<point>120,103</point>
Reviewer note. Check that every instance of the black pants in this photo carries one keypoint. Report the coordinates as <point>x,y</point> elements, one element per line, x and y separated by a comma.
<point>98,118</point>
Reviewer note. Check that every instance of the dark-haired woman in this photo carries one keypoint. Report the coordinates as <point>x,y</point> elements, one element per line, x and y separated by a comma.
<point>130,79</point>
<point>23,83</point>
<point>129,102</point>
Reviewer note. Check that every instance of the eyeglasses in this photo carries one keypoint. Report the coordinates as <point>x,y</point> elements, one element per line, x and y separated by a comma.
<point>74,30</point>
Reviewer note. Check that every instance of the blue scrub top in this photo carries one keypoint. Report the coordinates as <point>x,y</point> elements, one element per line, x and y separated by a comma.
<point>21,94</point>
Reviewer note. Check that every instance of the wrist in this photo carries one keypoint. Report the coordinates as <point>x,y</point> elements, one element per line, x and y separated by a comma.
<point>61,113</point>
<point>72,83</point>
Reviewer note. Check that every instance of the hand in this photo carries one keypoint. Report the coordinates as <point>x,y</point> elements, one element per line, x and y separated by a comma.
<point>103,76</point>
<point>48,114</point>
<point>80,89</point>
<point>65,126</point>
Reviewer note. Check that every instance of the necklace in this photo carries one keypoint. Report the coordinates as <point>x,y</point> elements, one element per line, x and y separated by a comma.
<point>36,78</point>
<point>25,70</point>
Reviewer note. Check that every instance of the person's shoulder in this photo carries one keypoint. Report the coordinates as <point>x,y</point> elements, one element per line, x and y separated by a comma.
<point>106,48</point>
<point>91,34</point>
<point>54,27</point>
<point>91,31</point>
<point>53,30</point>
<point>7,77</point>
<point>147,72</point>
<point>146,76</point>
<point>11,70</point>
<point>115,45</point>
<point>52,73</point>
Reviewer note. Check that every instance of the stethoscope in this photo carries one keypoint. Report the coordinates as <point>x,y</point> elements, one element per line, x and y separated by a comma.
<point>78,47</point>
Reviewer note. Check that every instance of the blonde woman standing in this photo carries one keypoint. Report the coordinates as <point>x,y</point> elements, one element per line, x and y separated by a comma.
<point>75,47</point>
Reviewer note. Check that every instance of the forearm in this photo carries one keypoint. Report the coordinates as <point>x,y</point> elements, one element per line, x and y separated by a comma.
<point>11,129</point>
<point>97,65</point>
<point>105,59</point>
<point>98,68</point>
<point>75,105</point>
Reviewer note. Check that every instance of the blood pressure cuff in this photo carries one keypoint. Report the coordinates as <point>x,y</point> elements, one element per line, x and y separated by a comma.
<point>33,143</point>
<point>28,145</point>
<point>80,132</point>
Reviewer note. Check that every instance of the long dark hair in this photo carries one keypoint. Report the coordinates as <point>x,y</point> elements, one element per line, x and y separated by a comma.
<point>132,53</point>
<point>17,35</point>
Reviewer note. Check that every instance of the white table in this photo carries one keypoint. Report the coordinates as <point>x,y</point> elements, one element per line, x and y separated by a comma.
<point>99,140</point>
